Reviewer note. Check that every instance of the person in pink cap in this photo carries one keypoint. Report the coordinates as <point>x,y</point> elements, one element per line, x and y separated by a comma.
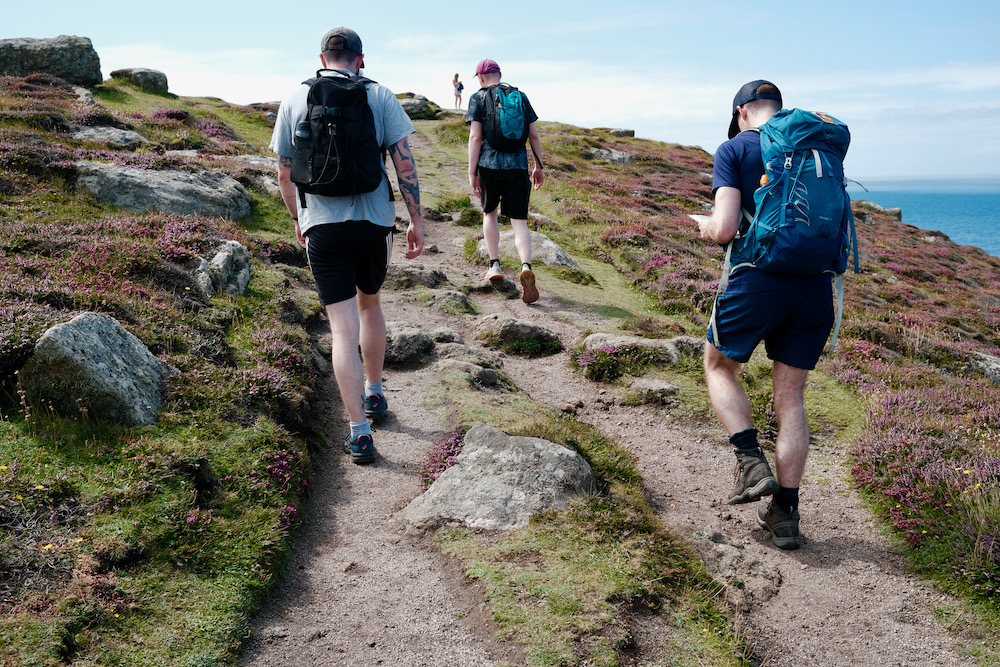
<point>498,174</point>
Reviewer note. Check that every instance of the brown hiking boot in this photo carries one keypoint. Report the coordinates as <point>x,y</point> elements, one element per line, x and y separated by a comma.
<point>783,526</point>
<point>530,294</point>
<point>754,478</point>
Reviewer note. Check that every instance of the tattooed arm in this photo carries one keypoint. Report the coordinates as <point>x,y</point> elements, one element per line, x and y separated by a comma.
<point>406,174</point>
<point>289,193</point>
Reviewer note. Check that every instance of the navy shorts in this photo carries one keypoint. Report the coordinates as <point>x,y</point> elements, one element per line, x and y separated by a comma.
<point>510,188</point>
<point>346,257</point>
<point>792,314</point>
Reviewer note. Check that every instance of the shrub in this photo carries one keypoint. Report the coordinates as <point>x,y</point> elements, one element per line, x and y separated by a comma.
<point>609,362</point>
<point>442,456</point>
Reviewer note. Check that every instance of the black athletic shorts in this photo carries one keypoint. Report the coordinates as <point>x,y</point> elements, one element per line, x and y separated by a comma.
<point>510,188</point>
<point>348,256</point>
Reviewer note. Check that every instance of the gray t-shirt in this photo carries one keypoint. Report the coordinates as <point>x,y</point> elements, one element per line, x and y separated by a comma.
<point>489,157</point>
<point>391,125</point>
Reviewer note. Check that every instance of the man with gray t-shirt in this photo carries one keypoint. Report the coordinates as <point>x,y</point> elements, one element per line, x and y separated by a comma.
<point>348,239</point>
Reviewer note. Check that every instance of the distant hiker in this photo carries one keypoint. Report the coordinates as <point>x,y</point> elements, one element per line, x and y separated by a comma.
<point>459,87</point>
<point>344,217</point>
<point>792,313</point>
<point>501,121</point>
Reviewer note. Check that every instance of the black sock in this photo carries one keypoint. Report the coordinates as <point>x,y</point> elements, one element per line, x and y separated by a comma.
<point>744,439</point>
<point>787,499</point>
<point>494,261</point>
<point>526,266</point>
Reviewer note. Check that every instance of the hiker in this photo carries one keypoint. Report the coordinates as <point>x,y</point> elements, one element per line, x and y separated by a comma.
<point>348,239</point>
<point>498,174</point>
<point>792,314</point>
<point>459,87</point>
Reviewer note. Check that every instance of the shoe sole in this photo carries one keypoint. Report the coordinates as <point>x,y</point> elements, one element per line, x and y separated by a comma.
<point>785,543</point>
<point>530,294</point>
<point>765,487</point>
<point>495,279</point>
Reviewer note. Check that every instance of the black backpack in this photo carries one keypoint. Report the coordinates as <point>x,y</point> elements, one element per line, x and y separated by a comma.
<point>504,125</point>
<point>336,152</point>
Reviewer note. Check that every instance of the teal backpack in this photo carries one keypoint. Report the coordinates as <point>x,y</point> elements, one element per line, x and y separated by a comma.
<point>803,223</point>
<point>503,123</point>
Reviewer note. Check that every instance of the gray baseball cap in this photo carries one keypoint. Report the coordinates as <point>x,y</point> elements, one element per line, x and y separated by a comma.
<point>351,41</point>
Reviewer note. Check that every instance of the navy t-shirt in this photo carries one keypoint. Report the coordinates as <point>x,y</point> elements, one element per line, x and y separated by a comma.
<point>489,157</point>
<point>738,164</point>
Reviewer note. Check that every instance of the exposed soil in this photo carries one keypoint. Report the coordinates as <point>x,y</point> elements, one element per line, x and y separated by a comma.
<point>360,589</point>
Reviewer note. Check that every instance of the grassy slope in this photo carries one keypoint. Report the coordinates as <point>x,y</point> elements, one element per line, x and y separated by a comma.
<point>172,533</point>
<point>903,387</point>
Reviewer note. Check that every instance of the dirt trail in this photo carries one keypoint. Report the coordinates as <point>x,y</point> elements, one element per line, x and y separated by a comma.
<point>360,590</point>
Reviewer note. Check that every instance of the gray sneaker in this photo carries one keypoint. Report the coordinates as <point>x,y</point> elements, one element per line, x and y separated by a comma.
<point>754,478</point>
<point>783,526</point>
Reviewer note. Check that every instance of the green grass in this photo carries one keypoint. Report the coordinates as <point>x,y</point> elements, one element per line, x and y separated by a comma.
<point>563,587</point>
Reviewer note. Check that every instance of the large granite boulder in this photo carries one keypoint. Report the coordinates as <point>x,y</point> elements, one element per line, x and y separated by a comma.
<point>498,481</point>
<point>204,193</point>
<point>91,363</point>
<point>71,58</point>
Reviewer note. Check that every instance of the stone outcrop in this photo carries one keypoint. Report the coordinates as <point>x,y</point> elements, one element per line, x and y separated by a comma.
<point>68,57</point>
<point>228,271</point>
<point>499,481</point>
<point>609,155</point>
<point>415,106</point>
<point>150,80</point>
<point>670,349</point>
<point>989,365</point>
<point>651,392</point>
<point>204,193</point>
<point>409,274</point>
<point>114,137</point>
<point>405,343</point>
<point>91,363</point>
<point>453,301</point>
<point>501,330</point>
<point>543,250</point>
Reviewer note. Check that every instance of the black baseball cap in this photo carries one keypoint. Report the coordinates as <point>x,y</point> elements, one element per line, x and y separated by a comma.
<point>748,93</point>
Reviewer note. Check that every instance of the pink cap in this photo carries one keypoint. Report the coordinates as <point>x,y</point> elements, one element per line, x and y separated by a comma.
<point>487,66</point>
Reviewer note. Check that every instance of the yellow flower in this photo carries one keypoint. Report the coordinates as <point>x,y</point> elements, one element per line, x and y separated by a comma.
<point>19,497</point>
<point>3,467</point>
<point>39,487</point>
<point>78,540</point>
<point>924,532</point>
<point>48,546</point>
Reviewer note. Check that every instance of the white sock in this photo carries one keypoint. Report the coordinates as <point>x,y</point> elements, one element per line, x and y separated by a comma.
<point>373,388</point>
<point>360,428</point>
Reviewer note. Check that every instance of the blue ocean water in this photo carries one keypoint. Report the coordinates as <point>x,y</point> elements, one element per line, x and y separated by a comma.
<point>967,210</point>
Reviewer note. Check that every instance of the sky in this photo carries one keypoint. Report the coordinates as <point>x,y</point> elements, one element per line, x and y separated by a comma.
<point>917,82</point>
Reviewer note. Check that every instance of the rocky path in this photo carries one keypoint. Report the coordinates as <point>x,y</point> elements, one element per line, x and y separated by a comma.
<point>362,590</point>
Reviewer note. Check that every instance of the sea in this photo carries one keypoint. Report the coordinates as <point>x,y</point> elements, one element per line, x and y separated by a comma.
<point>967,210</point>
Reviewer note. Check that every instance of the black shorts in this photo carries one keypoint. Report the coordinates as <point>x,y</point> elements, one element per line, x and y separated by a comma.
<point>510,188</point>
<point>348,256</point>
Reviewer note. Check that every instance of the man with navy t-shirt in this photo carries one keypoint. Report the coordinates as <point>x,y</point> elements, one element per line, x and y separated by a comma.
<point>792,314</point>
